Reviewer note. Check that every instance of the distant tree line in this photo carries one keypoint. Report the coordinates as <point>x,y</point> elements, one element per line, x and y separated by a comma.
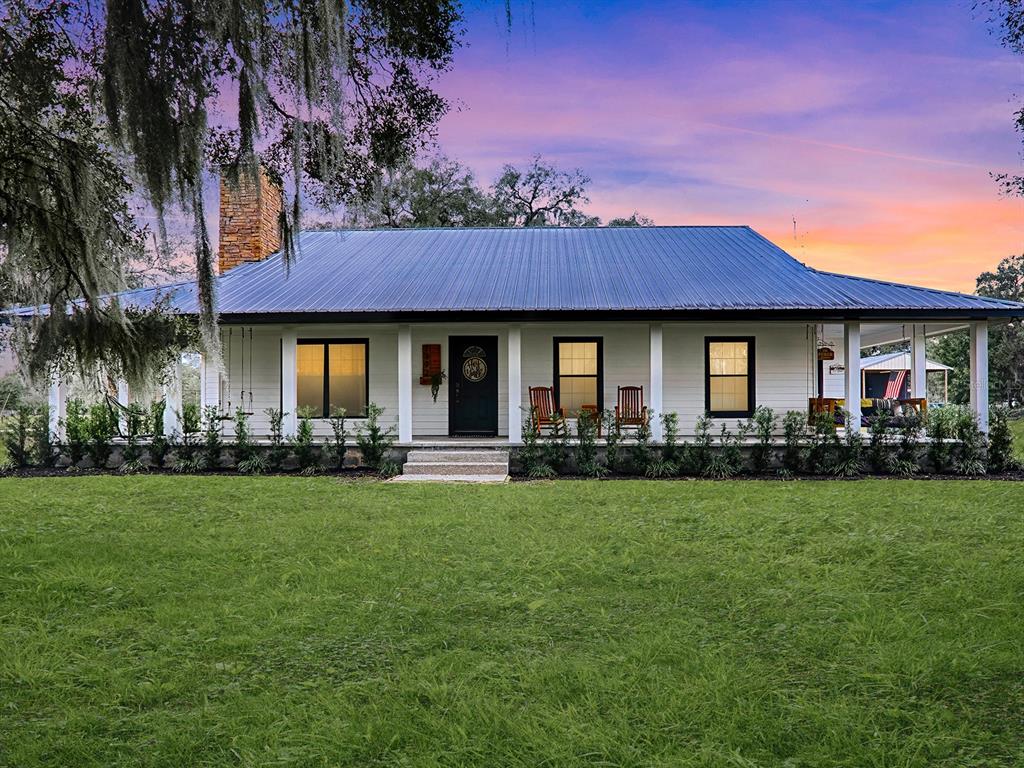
<point>445,193</point>
<point>1005,342</point>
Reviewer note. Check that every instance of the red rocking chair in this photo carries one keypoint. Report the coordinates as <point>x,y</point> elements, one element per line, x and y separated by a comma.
<point>630,410</point>
<point>542,406</point>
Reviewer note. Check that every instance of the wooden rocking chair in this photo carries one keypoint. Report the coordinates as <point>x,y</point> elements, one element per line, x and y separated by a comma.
<point>543,410</point>
<point>630,410</point>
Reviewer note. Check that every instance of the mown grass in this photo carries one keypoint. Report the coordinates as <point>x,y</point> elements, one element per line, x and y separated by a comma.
<point>171,621</point>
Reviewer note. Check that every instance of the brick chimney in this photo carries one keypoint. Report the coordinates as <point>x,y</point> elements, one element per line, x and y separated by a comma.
<point>250,208</point>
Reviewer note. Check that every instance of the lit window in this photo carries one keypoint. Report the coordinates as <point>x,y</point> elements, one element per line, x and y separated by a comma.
<point>331,375</point>
<point>578,374</point>
<point>730,376</point>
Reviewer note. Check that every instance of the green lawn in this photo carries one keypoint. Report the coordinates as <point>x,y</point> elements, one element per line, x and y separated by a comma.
<point>180,621</point>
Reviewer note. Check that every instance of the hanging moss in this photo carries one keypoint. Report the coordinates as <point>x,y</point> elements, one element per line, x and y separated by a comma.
<point>100,101</point>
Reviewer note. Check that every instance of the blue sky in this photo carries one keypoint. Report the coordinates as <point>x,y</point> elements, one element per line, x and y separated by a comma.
<point>874,125</point>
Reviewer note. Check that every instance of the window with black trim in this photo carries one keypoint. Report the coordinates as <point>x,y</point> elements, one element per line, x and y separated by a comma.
<point>331,374</point>
<point>579,376</point>
<point>729,376</point>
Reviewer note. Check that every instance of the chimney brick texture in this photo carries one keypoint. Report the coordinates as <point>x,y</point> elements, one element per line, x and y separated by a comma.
<point>250,207</point>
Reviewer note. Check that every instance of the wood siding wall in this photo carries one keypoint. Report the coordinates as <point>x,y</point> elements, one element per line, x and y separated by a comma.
<point>784,367</point>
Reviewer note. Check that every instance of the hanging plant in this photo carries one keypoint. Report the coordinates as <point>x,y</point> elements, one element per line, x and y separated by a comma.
<point>436,380</point>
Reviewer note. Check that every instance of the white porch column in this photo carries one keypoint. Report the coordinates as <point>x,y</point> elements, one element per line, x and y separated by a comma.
<point>515,384</point>
<point>122,399</point>
<point>918,363</point>
<point>656,394</point>
<point>404,384</point>
<point>289,381</point>
<point>205,369</point>
<point>172,399</point>
<point>58,402</point>
<point>851,377</point>
<point>979,373</point>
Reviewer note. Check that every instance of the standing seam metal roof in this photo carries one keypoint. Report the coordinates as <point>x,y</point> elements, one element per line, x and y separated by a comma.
<point>693,268</point>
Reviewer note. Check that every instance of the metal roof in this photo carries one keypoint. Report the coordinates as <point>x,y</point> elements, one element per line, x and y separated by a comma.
<point>897,361</point>
<point>675,270</point>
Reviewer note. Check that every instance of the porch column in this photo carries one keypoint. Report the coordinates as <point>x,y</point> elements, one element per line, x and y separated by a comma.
<point>204,372</point>
<point>918,363</point>
<point>122,399</point>
<point>657,428</point>
<point>58,403</point>
<point>289,380</point>
<point>515,385</point>
<point>404,384</point>
<point>851,378</point>
<point>172,399</point>
<point>979,373</point>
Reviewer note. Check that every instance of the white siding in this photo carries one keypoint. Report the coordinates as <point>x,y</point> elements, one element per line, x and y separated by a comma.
<point>784,370</point>
<point>834,383</point>
<point>430,418</point>
<point>626,350</point>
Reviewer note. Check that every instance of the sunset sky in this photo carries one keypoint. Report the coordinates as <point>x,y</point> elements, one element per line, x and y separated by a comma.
<point>874,125</point>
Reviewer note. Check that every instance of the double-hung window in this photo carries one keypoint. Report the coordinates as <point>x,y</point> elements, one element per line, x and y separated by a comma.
<point>332,374</point>
<point>729,376</point>
<point>578,376</point>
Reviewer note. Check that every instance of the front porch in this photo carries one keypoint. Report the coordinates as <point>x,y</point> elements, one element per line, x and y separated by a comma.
<point>268,367</point>
<point>260,369</point>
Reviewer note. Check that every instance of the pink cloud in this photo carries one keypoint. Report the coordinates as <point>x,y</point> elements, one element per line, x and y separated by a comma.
<point>880,148</point>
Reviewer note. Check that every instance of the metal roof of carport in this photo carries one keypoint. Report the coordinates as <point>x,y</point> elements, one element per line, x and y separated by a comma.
<point>645,271</point>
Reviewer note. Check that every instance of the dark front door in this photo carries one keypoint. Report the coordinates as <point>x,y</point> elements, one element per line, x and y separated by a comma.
<point>473,385</point>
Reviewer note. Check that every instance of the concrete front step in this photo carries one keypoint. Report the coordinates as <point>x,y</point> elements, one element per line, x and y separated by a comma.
<point>457,457</point>
<point>450,478</point>
<point>456,465</point>
<point>455,468</point>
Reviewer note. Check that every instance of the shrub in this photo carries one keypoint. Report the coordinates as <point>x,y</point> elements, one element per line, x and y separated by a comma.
<point>1000,442</point>
<point>848,458</point>
<point>640,452</point>
<point>794,429</point>
<point>102,428</point>
<point>213,445</point>
<point>905,460</point>
<point>43,453</point>
<point>672,451</point>
<point>879,449</point>
<point>762,425</point>
<point>701,453</point>
<point>248,460</point>
<point>186,456</point>
<point>375,441</point>
<point>303,446</point>
<point>940,429</point>
<point>131,458</point>
<point>612,440</point>
<point>277,452</point>
<point>556,447</point>
<point>728,459</point>
<point>823,448</point>
<point>338,445</point>
<point>76,431</point>
<point>16,434</point>
<point>532,457</point>
<point>159,444</point>
<point>969,451</point>
<point>586,445</point>
<point>389,468</point>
